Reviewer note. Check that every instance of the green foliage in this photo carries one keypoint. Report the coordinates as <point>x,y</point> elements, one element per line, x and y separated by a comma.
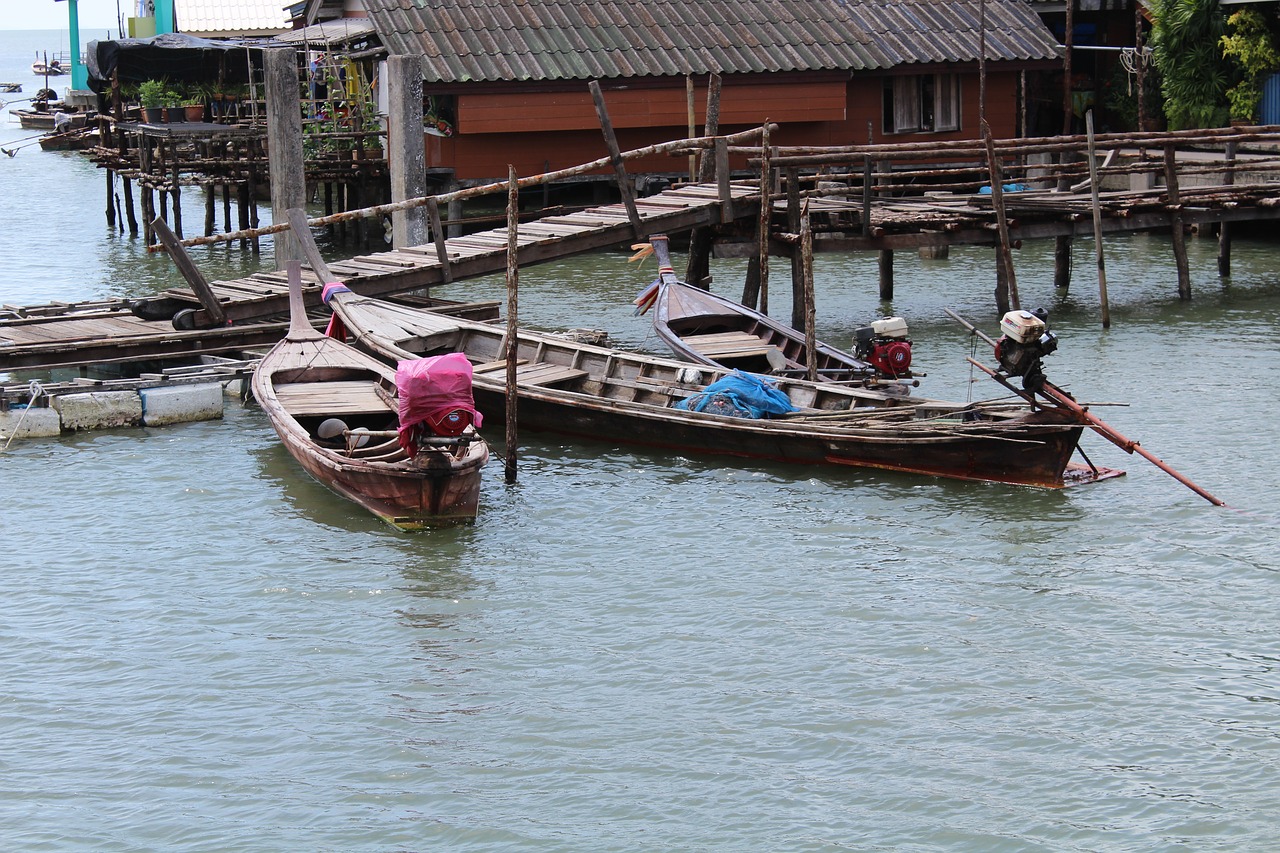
<point>1195,76</point>
<point>1252,48</point>
<point>1120,97</point>
<point>153,93</point>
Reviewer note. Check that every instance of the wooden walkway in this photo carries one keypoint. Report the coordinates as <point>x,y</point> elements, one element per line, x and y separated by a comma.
<point>107,331</point>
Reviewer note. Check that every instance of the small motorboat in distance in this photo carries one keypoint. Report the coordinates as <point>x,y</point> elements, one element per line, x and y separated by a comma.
<point>400,443</point>
<point>702,327</point>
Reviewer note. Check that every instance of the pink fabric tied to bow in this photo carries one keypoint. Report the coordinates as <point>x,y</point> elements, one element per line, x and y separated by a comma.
<point>429,389</point>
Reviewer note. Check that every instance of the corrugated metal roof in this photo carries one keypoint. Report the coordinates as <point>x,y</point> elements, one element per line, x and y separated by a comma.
<point>506,40</point>
<point>337,31</point>
<point>230,16</point>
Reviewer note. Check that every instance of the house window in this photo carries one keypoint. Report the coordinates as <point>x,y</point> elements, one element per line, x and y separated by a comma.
<point>921,103</point>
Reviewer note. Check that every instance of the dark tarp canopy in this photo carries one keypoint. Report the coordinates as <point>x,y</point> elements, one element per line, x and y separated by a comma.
<point>172,56</point>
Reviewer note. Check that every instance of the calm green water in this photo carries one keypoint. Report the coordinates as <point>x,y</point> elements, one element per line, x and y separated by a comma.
<point>205,650</point>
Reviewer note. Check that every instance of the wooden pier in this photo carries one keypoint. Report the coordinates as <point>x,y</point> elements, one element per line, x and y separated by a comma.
<point>877,199</point>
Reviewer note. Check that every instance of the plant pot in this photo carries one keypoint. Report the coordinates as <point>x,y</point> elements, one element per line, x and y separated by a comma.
<point>153,115</point>
<point>194,112</point>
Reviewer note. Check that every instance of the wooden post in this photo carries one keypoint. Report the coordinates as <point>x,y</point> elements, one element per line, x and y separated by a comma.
<point>866,196</point>
<point>128,208</point>
<point>284,145</point>
<point>1062,262</point>
<point>885,261</point>
<point>1002,286</point>
<point>110,199</point>
<point>1094,190</point>
<point>693,126</point>
<point>177,203</point>
<point>437,234</point>
<point>797,258</point>
<point>512,338</point>
<point>242,209</point>
<point>406,150</point>
<point>1175,223</point>
<point>1002,225</point>
<point>615,157</point>
<point>210,209</point>
<point>723,185</point>
<point>226,207</point>
<point>766,211</point>
<point>1224,228</point>
<point>810,310</point>
<point>182,260</point>
<point>698,271</point>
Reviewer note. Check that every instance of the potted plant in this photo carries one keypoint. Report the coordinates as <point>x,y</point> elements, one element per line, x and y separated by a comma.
<point>151,94</point>
<point>193,101</point>
<point>1253,50</point>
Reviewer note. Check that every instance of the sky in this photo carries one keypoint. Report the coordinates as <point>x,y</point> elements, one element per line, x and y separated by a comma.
<point>49,15</point>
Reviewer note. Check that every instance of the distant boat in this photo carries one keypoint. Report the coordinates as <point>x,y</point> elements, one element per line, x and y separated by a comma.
<point>10,87</point>
<point>78,139</point>
<point>50,68</point>
<point>32,119</point>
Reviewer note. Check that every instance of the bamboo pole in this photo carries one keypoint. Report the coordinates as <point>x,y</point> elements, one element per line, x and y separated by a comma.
<point>810,310</point>
<point>1097,227</point>
<point>1002,224</point>
<point>625,188</point>
<point>766,215</point>
<point>513,324</point>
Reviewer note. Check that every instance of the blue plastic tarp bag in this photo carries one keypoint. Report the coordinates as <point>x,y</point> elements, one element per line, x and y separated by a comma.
<point>739,395</point>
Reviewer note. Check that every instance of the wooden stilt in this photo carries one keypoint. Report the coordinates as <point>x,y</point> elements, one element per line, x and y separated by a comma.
<point>810,309</point>
<point>1097,224</point>
<point>128,208</point>
<point>111,208</point>
<point>210,209</point>
<point>797,259</point>
<point>1175,223</point>
<point>406,150</point>
<point>513,322</point>
<point>284,148</point>
<point>242,208</point>
<point>886,274</point>
<point>1224,228</point>
<point>177,204</point>
<point>1002,286</point>
<point>1062,262</point>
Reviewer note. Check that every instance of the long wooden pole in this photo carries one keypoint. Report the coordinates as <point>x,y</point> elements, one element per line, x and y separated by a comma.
<point>766,215</point>
<point>513,320</point>
<point>1063,399</point>
<point>1097,225</point>
<point>1002,225</point>
<point>810,310</point>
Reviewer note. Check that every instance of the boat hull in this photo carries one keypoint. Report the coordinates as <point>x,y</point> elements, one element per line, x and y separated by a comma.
<point>581,391</point>
<point>302,383</point>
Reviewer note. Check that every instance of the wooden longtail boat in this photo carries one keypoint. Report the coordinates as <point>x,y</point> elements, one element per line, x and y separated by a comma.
<point>591,392</point>
<point>334,410</point>
<point>702,327</point>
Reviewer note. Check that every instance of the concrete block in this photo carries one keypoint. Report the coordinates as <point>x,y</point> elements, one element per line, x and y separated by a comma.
<point>99,409</point>
<point>29,423</point>
<point>181,404</point>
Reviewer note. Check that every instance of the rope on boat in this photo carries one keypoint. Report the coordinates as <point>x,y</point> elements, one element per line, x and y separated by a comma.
<point>34,390</point>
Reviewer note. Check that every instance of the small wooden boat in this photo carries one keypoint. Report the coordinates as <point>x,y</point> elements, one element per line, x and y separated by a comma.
<point>10,87</point>
<point>702,327</point>
<point>591,392</point>
<point>80,139</point>
<point>337,412</point>
<point>33,119</point>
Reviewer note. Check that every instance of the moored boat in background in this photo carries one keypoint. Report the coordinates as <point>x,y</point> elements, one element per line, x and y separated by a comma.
<point>706,328</point>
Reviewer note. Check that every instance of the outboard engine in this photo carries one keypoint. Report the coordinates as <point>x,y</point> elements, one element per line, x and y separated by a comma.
<point>885,346</point>
<point>1026,340</point>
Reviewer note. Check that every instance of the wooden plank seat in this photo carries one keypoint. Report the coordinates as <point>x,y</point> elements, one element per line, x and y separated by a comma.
<point>728,345</point>
<point>533,374</point>
<point>356,397</point>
